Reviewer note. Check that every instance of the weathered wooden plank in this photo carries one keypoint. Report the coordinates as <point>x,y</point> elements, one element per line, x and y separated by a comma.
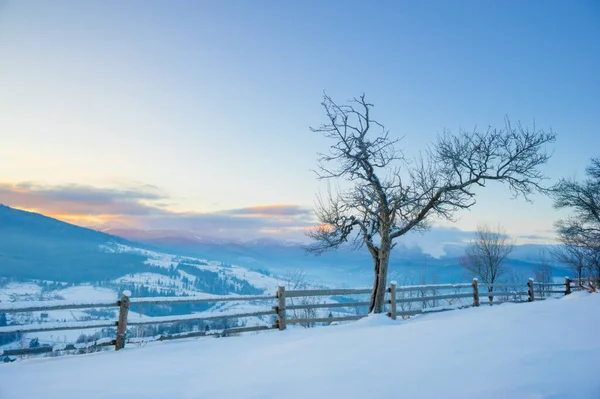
<point>554,292</point>
<point>191,299</point>
<point>122,323</point>
<point>503,285</point>
<point>328,305</point>
<point>392,291</point>
<point>46,349</point>
<point>35,306</point>
<point>421,311</point>
<point>530,290</point>
<point>281,312</point>
<point>326,319</point>
<point>496,302</point>
<point>433,286</point>
<point>483,294</point>
<point>169,337</point>
<point>549,284</point>
<point>74,325</point>
<point>337,291</point>
<point>434,297</point>
<point>193,317</point>
<point>195,334</point>
<point>237,330</point>
<point>27,351</point>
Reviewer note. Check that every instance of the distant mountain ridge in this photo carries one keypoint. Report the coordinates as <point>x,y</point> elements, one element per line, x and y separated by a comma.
<point>46,251</point>
<point>33,246</point>
<point>269,253</point>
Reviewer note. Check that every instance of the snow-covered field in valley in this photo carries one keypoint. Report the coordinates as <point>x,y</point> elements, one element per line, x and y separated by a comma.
<point>534,350</point>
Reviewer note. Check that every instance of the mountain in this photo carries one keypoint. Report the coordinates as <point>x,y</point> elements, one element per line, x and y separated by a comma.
<point>33,246</point>
<point>346,266</point>
<point>48,255</point>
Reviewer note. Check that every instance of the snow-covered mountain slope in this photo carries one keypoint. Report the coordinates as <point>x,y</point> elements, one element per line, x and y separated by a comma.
<point>186,272</point>
<point>534,350</point>
<point>167,275</point>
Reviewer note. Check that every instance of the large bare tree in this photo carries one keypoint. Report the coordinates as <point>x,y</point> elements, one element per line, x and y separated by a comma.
<point>389,195</point>
<point>485,255</point>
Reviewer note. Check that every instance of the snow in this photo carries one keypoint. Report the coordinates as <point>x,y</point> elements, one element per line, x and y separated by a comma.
<point>53,326</point>
<point>541,349</point>
<point>87,293</point>
<point>27,305</point>
<point>27,295</point>
<point>165,260</point>
<point>19,292</point>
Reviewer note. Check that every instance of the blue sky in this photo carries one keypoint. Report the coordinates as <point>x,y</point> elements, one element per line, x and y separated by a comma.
<point>166,114</point>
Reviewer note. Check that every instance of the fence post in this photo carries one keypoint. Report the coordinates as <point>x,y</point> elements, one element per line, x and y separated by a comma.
<point>281,307</point>
<point>392,290</point>
<point>567,286</point>
<point>530,291</point>
<point>475,293</point>
<point>122,323</point>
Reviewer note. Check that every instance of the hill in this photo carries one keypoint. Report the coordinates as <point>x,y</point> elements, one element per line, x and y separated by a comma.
<point>532,350</point>
<point>33,246</point>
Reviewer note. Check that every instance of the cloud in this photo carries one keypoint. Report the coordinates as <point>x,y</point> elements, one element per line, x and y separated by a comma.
<point>436,240</point>
<point>279,210</point>
<point>533,237</point>
<point>145,206</point>
<point>79,199</point>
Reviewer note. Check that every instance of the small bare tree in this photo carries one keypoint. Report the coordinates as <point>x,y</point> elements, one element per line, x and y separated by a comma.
<point>485,255</point>
<point>297,281</point>
<point>405,280</point>
<point>543,275</point>
<point>390,195</point>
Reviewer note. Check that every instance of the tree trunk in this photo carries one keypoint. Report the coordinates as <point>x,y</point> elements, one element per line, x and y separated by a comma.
<point>380,264</point>
<point>490,289</point>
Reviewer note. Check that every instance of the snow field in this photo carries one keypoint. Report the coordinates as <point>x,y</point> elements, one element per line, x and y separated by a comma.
<point>533,350</point>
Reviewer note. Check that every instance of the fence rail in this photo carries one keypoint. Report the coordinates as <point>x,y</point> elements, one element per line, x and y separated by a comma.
<point>278,307</point>
<point>191,299</point>
<point>340,291</point>
<point>327,305</point>
<point>433,298</point>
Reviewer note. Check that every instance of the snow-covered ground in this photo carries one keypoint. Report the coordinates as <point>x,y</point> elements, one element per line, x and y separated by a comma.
<point>20,292</point>
<point>540,350</point>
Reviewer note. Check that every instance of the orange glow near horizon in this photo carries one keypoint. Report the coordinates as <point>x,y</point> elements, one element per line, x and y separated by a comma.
<point>73,218</point>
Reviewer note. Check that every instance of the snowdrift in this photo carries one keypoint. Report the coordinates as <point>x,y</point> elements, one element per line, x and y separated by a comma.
<point>544,349</point>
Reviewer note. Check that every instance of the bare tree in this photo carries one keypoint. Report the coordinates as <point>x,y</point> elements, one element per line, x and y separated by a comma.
<point>580,233</point>
<point>543,275</point>
<point>391,195</point>
<point>583,198</point>
<point>571,254</point>
<point>297,281</point>
<point>485,255</point>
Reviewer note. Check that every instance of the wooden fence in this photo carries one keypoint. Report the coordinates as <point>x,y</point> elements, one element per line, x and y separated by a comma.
<point>402,297</point>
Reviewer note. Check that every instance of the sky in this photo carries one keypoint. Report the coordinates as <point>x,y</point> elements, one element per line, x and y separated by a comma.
<point>196,114</point>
